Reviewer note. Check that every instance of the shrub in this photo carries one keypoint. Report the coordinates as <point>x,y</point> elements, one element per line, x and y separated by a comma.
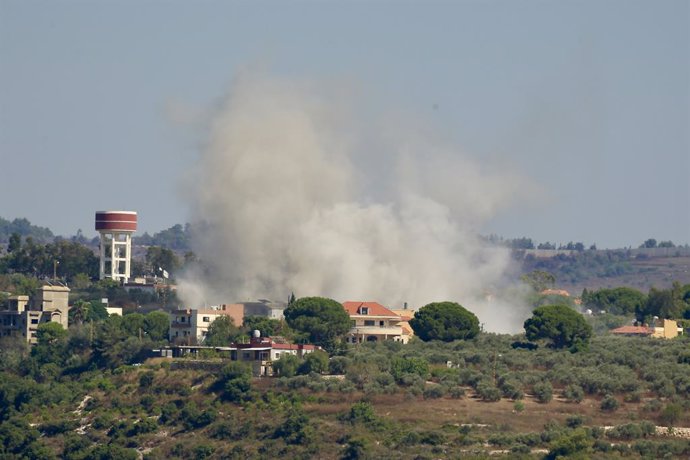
<point>519,406</point>
<point>574,421</point>
<point>361,412</point>
<point>338,365</point>
<point>574,393</point>
<point>314,362</point>
<point>434,392</point>
<point>456,392</point>
<point>609,404</point>
<point>295,429</point>
<point>146,379</point>
<point>543,392</point>
<point>670,414</point>
<point>355,449</point>
<point>488,392</point>
<point>401,367</point>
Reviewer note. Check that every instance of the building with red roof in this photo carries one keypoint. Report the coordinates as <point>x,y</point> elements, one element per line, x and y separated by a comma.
<point>372,322</point>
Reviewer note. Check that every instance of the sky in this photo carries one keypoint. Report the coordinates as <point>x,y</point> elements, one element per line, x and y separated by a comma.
<point>102,103</point>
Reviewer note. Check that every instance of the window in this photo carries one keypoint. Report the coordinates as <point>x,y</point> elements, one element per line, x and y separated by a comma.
<point>34,320</point>
<point>206,319</point>
<point>368,322</point>
<point>382,323</point>
<point>182,319</point>
<point>364,310</point>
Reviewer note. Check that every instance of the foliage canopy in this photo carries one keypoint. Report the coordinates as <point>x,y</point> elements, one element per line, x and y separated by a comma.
<point>323,320</point>
<point>561,324</point>
<point>445,321</point>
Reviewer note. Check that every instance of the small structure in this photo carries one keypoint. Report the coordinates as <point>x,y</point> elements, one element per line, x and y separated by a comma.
<point>372,322</point>
<point>24,316</point>
<point>116,228</point>
<point>668,330</point>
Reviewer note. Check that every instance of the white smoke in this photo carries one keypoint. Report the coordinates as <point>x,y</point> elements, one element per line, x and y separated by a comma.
<point>293,192</point>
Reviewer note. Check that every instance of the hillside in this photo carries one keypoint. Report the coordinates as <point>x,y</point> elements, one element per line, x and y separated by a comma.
<point>639,269</point>
<point>386,401</point>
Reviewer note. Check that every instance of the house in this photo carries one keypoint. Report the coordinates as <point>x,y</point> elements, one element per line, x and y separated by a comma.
<point>190,326</point>
<point>259,353</point>
<point>372,322</point>
<point>23,315</point>
<point>668,330</point>
<point>406,314</point>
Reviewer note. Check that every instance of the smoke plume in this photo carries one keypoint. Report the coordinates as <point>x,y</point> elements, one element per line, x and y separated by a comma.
<point>299,189</point>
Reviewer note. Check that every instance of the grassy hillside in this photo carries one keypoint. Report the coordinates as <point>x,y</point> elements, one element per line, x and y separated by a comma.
<point>608,269</point>
<point>391,401</point>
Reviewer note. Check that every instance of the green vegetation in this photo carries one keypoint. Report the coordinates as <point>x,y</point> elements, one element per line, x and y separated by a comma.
<point>393,401</point>
<point>562,325</point>
<point>320,320</point>
<point>447,321</point>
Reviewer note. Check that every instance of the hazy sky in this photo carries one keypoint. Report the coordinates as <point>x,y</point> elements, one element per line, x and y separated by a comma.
<point>589,100</point>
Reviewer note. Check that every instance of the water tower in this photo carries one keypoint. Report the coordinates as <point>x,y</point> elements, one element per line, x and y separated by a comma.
<point>116,228</point>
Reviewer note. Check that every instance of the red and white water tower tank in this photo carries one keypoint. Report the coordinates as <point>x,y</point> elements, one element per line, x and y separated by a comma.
<point>116,228</point>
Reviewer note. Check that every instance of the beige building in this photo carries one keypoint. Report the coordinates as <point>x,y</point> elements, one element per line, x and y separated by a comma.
<point>372,322</point>
<point>190,326</point>
<point>24,315</point>
<point>667,330</point>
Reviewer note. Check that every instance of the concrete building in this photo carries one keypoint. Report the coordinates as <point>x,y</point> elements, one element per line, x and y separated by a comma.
<point>190,326</point>
<point>372,322</point>
<point>24,315</point>
<point>260,353</point>
<point>668,329</point>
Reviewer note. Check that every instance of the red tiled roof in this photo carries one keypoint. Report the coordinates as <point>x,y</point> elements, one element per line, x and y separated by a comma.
<point>375,309</point>
<point>642,330</point>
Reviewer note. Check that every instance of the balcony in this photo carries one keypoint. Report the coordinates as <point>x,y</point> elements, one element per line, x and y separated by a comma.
<point>376,330</point>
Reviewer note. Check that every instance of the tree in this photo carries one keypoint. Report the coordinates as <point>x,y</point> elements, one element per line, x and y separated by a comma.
<point>286,365</point>
<point>163,258</point>
<point>80,311</point>
<point>267,326</point>
<point>650,243</point>
<point>322,320</point>
<point>156,325</point>
<point>539,280</point>
<point>314,362</point>
<point>15,243</point>
<point>51,344</point>
<point>664,303</point>
<point>236,381</point>
<point>618,301</point>
<point>445,321</point>
<point>221,332</point>
<point>561,324</point>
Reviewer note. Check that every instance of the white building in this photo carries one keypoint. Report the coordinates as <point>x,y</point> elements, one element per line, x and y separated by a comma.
<point>190,326</point>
